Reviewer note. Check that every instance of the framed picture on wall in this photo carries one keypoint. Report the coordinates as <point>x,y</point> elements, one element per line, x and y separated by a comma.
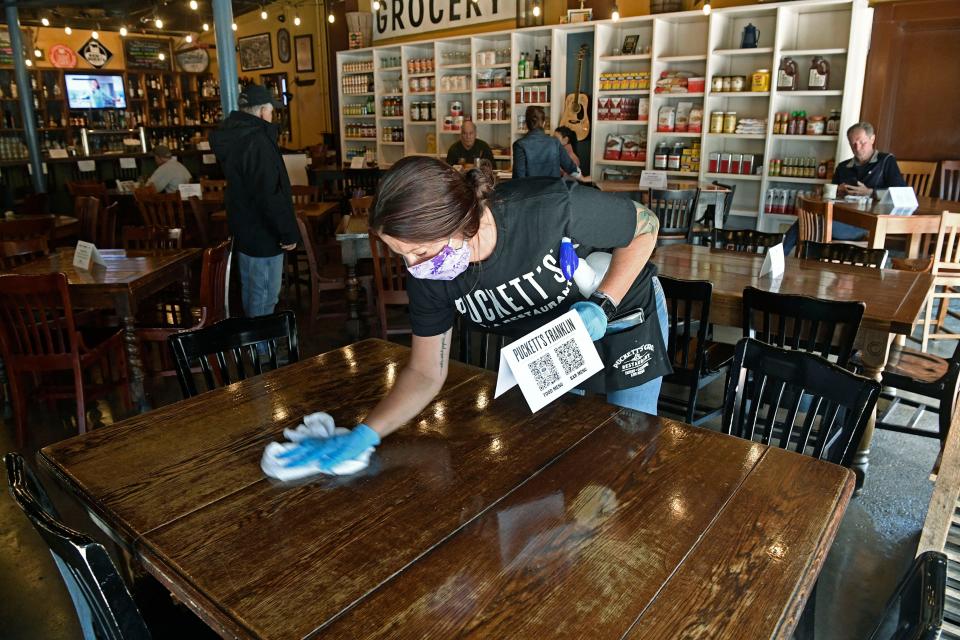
<point>255,52</point>
<point>579,15</point>
<point>303,50</point>
<point>630,44</point>
<point>283,46</point>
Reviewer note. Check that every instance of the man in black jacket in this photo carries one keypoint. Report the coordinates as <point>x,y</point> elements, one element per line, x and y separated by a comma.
<point>259,199</point>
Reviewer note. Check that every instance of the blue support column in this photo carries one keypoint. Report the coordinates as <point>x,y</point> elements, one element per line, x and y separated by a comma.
<point>226,54</point>
<point>26,99</point>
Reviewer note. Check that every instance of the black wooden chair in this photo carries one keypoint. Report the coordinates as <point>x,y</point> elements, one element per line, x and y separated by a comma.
<point>745,240</point>
<point>823,327</point>
<point>767,386</point>
<point>843,253</point>
<point>676,210</point>
<point>697,361</point>
<point>716,212</point>
<point>476,347</point>
<point>230,350</point>
<point>104,606</point>
<point>915,610</point>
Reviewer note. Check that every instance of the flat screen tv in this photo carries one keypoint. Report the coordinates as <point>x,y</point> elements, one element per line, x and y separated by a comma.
<point>95,91</point>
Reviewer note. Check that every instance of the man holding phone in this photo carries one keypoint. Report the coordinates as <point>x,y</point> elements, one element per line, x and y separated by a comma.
<point>861,175</point>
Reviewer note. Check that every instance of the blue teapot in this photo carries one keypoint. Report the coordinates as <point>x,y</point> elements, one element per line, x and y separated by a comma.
<point>751,37</point>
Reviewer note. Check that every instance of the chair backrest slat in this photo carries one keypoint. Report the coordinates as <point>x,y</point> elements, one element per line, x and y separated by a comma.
<point>676,210</point>
<point>843,253</point>
<point>918,175</point>
<point>835,403</point>
<point>745,240</point>
<point>226,349</point>
<point>39,318</point>
<point>815,220</point>
<point>950,179</point>
<point>823,327</point>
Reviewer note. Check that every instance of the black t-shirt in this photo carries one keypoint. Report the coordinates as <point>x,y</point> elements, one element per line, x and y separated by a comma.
<point>479,150</point>
<point>520,286</point>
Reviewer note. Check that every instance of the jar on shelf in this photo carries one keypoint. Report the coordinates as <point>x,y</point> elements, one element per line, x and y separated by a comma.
<point>816,126</point>
<point>730,122</point>
<point>760,80</point>
<point>716,84</point>
<point>833,123</point>
<point>716,122</point>
<point>787,75</point>
<point>738,83</point>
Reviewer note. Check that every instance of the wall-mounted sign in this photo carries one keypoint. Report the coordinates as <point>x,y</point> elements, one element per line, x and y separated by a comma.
<point>399,18</point>
<point>145,53</point>
<point>62,57</point>
<point>95,53</point>
<point>192,59</point>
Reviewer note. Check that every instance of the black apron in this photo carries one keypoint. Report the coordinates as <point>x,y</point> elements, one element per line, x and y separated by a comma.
<point>630,358</point>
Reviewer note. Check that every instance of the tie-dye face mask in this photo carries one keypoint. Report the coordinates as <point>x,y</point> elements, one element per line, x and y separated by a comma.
<point>446,265</point>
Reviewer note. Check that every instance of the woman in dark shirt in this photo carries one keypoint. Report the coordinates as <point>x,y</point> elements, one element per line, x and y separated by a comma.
<point>491,255</point>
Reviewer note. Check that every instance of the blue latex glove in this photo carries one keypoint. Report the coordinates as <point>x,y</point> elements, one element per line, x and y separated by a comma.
<point>568,258</point>
<point>329,452</point>
<point>593,318</point>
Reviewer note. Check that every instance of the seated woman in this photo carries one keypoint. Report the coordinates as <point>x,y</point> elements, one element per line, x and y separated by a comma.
<point>537,154</point>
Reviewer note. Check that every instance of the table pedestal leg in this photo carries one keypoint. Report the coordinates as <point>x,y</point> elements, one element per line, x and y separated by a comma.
<point>875,349</point>
<point>5,385</point>
<point>354,295</point>
<point>134,362</point>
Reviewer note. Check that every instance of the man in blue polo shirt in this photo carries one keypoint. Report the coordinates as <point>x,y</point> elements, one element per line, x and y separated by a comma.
<point>861,175</point>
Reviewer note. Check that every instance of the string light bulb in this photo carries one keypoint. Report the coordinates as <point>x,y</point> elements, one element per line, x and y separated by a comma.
<point>194,5</point>
<point>95,35</point>
<point>206,27</point>
<point>188,38</point>
<point>263,14</point>
<point>707,8</point>
<point>234,26</point>
<point>376,5</point>
<point>615,16</point>
<point>67,30</point>
<point>296,21</point>
<point>123,32</point>
<point>159,23</point>
<point>37,53</point>
<point>331,18</point>
<point>28,62</point>
<point>44,22</point>
<point>536,9</point>
<point>162,55</point>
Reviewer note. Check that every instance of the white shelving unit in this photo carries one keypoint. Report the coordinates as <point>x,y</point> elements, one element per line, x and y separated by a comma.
<point>708,46</point>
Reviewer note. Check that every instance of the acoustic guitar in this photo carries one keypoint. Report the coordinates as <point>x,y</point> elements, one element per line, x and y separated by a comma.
<point>576,105</point>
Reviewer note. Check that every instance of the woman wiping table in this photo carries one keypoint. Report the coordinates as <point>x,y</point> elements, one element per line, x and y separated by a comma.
<point>505,259</point>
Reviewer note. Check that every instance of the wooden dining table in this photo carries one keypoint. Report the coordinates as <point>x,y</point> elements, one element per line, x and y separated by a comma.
<point>477,518</point>
<point>314,211</point>
<point>880,221</point>
<point>893,299</point>
<point>63,226</point>
<point>126,280</point>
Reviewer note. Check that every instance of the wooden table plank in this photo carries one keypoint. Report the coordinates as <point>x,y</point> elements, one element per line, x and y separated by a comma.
<point>893,298</point>
<point>751,574</point>
<point>157,472</point>
<point>578,551</point>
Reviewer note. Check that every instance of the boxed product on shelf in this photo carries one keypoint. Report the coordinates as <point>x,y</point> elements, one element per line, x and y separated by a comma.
<point>630,80</point>
<point>613,147</point>
<point>683,116</point>
<point>633,148</point>
<point>666,118</point>
<point>674,82</point>
<point>695,124</point>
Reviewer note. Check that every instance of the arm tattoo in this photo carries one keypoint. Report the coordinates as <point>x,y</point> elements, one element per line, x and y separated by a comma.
<point>647,221</point>
<point>443,350</point>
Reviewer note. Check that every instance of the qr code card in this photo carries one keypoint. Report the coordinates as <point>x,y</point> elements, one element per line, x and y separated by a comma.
<point>549,361</point>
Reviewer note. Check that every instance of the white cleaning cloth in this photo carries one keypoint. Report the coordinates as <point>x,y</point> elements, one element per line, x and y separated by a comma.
<point>315,425</point>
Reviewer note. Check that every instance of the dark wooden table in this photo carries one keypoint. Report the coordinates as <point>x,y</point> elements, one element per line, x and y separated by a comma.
<point>880,222</point>
<point>128,278</point>
<point>63,226</point>
<point>314,211</point>
<point>581,521</point>
<point>893,298</point>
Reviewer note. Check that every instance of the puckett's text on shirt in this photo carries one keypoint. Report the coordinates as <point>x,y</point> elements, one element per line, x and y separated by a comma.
<point>521,297</point>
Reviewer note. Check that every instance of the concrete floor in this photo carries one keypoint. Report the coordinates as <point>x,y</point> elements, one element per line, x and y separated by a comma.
<point>875,544</point>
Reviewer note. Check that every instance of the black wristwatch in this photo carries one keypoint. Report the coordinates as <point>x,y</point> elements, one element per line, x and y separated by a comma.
<point>605,302</point>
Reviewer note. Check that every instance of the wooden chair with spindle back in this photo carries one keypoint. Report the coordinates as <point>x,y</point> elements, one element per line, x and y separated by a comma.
<point>390,282</point>
<point>676,210</point>
<point>95,189</point>
<point>147,238</point>
<point>361,206</point>
<point>160,209</point>
<point>87,211</point>
<point>213,189</point>
<point>844,253</point>
<point>946,276</point>
<point>950,179</point>
<point>39,336</point>
<point>745,240</point>
<point>918,175</point>
<point>815,219</point>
